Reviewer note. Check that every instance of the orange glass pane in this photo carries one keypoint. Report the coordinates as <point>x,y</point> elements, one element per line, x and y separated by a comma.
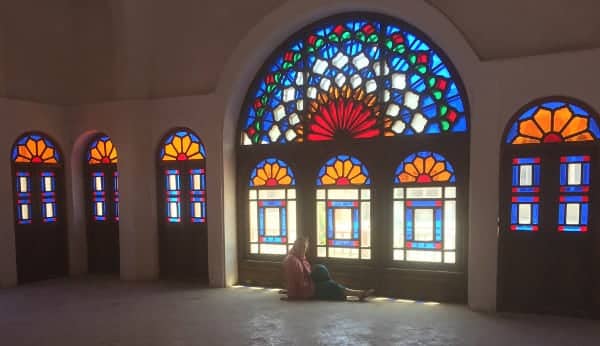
<point>525,140</point>
<point>543,118</point>
<point>561,117</point>
<point>576,125</point>
<point>530,128</point>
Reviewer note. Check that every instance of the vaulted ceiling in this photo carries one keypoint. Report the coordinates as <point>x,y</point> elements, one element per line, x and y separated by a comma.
<point>78,51</point>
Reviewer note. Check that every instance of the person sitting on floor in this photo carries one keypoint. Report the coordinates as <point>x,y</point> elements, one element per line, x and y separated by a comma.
<point>304,283</point>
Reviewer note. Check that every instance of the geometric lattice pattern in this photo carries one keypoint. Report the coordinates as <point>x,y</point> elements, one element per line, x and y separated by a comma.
<point>358,78</point>
<point>554,122</point>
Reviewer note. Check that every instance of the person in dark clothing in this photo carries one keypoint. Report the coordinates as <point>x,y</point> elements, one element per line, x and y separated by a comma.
<point>327,289</point>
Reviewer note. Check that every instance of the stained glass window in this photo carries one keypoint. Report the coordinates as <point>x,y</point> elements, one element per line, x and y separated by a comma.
<point>116,194</point>
<point>358,78</point>
<point>23,197</point>
<point>182,146</point>
<point>272,203</point>
<point>35,148</point>
<point>102,151</point>
<point>425,209</point>
<point>48,189</point>
<point>525,201</point>
<point>573,206</point>
<point>344,209</point>
<point>553,122</point>
<point>173,188</point>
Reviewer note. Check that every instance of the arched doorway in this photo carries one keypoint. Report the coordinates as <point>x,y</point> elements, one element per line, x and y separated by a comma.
<point>183,233</point>
<point>102,205</point>
<point>40,218</point>
<point>548,246</point>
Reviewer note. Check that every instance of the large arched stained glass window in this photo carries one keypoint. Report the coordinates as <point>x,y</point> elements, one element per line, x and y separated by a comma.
<point>354,78</point>
<point>344,209</point>
<point>272,214</point>
<point>425,209</point>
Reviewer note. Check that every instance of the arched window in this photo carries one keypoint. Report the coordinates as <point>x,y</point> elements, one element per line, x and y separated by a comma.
<point>272,215</point>
<point>548,166</point>
<point>425,209</point>
<point>39,210</point>
<point>182,211</point>
<point>356,85</point>
<point>344,209</point>
<point>102,179</point>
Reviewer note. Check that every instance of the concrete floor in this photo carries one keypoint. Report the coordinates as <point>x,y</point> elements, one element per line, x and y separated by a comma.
<point>99,311</point>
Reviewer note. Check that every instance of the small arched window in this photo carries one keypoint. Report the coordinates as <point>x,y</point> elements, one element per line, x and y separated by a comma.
<point>425,209</point>
<point>344,209</point>
<point>272,214</point>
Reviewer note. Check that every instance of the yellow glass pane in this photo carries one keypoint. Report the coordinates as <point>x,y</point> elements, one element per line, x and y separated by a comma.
<point>543,117</point>
<point>31,145</point>
<point>274,170</point>
<point>406,178</point>
<point>170,150</point>
<point>582,137</point>
<point>168,158</point>
<point>177,144</point>
<point>96,154</point>
<point>24,152</point>
<point>437,168</point>
<point>525,140</point>
<point>576,125</point>
<point>411,169</point>
<point>41,146</point>
<point>331,172</point>
<point>327,180</point>
<point>444,176</point>
<point>359,179</point>
<point>354,172</point>
<point>285,180</point>
<point>339,168</point>
<point>419,164</point>
<point>49,153</point>
<point>258,181</point>
<point>101,148</point>
<point>185,142</point>
<point>262,174</point>
<point>193,150</point>
<point>530,128</point>
<point>347,167</point>
<point>22,159</point>
<point>113,154</point>
<point>429,164</point>
<point>281,172</point>
<point>109,147</point>
<point>561,117</point>
<point>196,156</point>
<point>268,170</point>
<point>93,161</point>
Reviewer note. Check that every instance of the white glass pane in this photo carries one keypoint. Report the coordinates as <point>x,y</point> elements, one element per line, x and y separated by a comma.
<point>399,224</point>
<point>320,194</point>
<point>254,248</point>
<point>398,193</point>
<point>291,226</point>
<point>365,194</point>
<point>98,183</point>
<point>423,256</point>
<point>252,217</point>
<point>273,249</point>
<point>365,254</point>
<point>172,182</point>
<point>398,255</point>
<point>321,224</point>
<point>343,223</point>
<point>23,184</point>
<point>252,194</point>
<point>572,217</point>
<point>272,222</point>
<point>337,252</point>
<point>196,182</point>
<point>291,193</point>
<point>48,185</point>
<point>197,209</point>
<point>365,224</point>
<point>49,209</point>
<point>450,192</point>
<point>450,225</point>
<point>344,194</point>
<point>525,214</point>
<point>321,251</point>
<point>173,209</point>
<point>423,192</point>
<point>449,257</point>
<point>24,211</point>
<point>423,224</point>
<point>574,174</point>
<point>271,194</point>
<point>525,175</point>
<point>99,208</point>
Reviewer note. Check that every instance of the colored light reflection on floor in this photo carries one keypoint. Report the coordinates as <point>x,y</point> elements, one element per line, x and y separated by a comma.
<point>374,299</point>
